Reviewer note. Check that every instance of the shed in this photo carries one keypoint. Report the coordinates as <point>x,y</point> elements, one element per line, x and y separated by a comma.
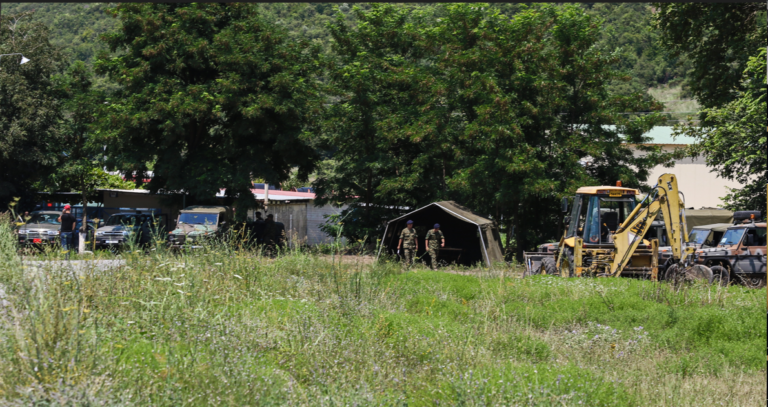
<point>469,238</point>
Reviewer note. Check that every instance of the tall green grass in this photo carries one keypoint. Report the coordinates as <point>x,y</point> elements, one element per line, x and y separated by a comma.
<point>226,326</point>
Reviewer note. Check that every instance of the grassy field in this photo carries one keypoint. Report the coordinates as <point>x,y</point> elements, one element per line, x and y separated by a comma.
<point>225,327</point>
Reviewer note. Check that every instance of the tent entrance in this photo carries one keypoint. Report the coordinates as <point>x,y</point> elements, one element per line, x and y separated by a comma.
<point>466,234</point>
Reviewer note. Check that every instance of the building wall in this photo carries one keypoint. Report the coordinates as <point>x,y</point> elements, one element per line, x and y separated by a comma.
<point>315,219</point>
<point>701,187</point>
<point>294,218</point>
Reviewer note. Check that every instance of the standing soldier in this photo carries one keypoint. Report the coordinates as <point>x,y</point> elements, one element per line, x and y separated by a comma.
<point>409,243</point>
<point>270,235</point>
<point>435,240</point>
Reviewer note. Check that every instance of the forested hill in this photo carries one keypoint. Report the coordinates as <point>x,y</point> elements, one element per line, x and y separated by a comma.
<point>76,27</point>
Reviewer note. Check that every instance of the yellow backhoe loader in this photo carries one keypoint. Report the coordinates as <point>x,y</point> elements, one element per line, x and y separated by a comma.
<point>604,235</point>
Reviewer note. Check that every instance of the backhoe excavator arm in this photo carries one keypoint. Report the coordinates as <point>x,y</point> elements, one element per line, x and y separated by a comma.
<point>665,197</point>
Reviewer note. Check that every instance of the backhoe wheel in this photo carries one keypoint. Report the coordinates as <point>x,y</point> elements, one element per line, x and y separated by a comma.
<point>566,263</point>
<point>549,266</point>
<point>720,275</point>
<point>699,272</point>
<point>673,276</point>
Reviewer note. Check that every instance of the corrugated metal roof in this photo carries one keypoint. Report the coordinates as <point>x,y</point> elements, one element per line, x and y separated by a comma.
<point>277,195</point>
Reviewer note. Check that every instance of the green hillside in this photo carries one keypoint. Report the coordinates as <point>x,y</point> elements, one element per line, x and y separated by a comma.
<point>76,26</point>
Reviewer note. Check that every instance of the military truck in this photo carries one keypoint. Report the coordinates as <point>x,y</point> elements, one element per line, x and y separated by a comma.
<point>700,236</point>
<point>199,223</point>
<point>740,256</point>
<point>123,227</point>
<point>42,228</point>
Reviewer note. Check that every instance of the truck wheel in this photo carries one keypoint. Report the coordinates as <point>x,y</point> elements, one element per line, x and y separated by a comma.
<point>753,280</point>
<point>566,264</point>
<point>549,266</point>
<point>720,275</point>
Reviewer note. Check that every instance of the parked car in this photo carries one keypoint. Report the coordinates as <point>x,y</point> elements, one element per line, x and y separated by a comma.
<point>41,229</point>
<point>705,236</point>
<point>199,223</point>
<point>700,236</point>
<point>123,227</point>
<point>740,255</point>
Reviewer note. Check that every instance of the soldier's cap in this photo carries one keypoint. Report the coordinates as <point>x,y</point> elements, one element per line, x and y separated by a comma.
<point>437,226</point>
<point>410,222</point>
<point>270,216</point>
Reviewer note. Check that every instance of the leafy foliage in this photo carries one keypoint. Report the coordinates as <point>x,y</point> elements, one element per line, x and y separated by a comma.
<point>212,94</point>
<point>74,28</point>
<point>433,109</point>
<point>718,38</point>
<point>628,27</point>
<point>30,107</point>
<point>733,138</point>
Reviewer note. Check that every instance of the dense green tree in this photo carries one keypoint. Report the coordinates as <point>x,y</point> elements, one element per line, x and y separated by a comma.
<point>80,154</point>
<point>74,28</point>
<point>628,27</point>
<point>373,83</point>
<point>726,45</point>
<point>733,138</point>
<point>499,113</point>
<point>532,95</point>
<point>29,107</point>
<point>718,39</point>
<point>212,94</point>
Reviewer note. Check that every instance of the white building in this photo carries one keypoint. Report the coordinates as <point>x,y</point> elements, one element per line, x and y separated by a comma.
<point>701,187</point>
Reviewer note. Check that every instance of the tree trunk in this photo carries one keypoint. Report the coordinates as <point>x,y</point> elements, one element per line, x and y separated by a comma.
<point>84,228</point>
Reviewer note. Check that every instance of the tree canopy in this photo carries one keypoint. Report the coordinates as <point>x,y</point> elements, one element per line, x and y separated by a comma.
<point>726,44</point>
<point>30,107</point>
<point>718,39</point>
<point>211,94</point>
<point>432,109</point>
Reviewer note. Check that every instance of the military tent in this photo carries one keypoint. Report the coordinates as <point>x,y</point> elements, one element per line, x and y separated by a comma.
<point>705,216</point>
<point>469,238</point>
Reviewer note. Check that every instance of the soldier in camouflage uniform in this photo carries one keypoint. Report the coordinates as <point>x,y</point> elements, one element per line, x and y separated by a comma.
<point>409,242</point>
<point>435,240</point>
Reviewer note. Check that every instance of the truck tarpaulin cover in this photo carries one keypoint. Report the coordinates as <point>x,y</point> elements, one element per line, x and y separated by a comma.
<point>477,237</point>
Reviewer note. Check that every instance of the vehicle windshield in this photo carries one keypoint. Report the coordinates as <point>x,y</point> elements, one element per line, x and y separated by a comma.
<point>605,215</point>
<point>122,219</point>
<point>198,218</point>
<point>732,237</point>
<point>698,236</point>
<point>44,219</point>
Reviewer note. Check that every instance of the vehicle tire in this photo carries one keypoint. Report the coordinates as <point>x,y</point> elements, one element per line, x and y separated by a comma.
<point>699,272</point>
<point>752,280</point>
<point>566,264</point>
<point>720,275</point>
<point>672,276</point>
<point>549,266</point>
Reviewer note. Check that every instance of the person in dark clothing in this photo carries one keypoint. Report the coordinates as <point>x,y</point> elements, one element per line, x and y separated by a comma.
<point>270,235</point>
<point>145,235</point>
<point>258,228</point>
<point>68,222</point>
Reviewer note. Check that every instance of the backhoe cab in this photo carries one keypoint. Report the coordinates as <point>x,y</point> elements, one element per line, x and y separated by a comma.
<point>604,233</point>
